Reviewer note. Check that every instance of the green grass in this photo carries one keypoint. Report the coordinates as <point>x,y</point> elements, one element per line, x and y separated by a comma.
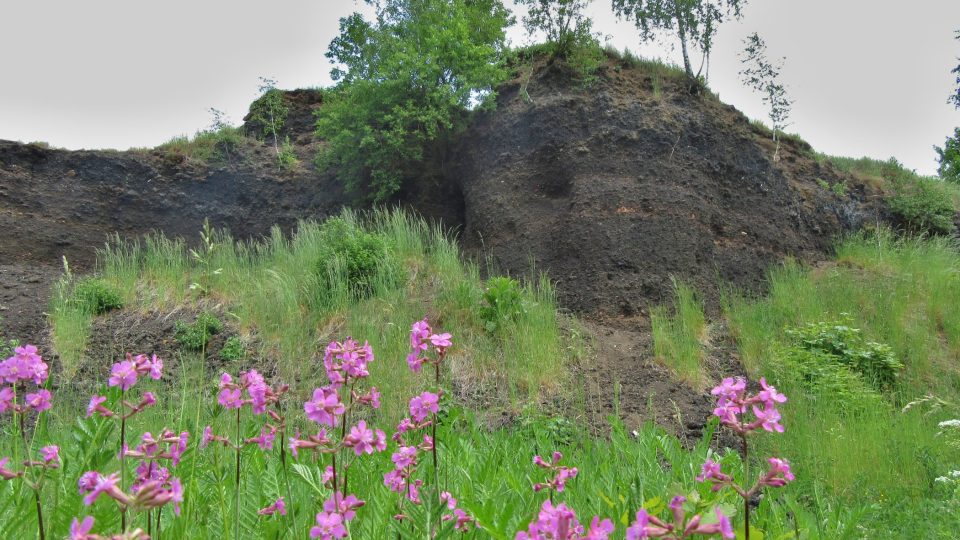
<point>678,338</point>
<point>204,146</point>
<point>273,289</point>
<point>489,471</point>
<point>901,292</point>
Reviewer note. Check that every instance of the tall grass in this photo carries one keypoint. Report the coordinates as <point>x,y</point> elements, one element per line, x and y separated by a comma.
<point>678,338</point>
<point>899,291</point>
<point>277,289</point>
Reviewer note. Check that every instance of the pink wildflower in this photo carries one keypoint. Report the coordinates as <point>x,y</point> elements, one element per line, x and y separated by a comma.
<point>277,507</point>
<point>39,400</point>
<point>329,526</point>
<point>96,407</point>
<point>769,395</point>
<point>422,405</point>
<point>779,474</point>
<point>6,473</point>
<point>325,406</point>
<point>80,529</point>
<point>50,453</point>
<point>6,399</point>
<point>441,341</point>
<point>123,374</point>
<point>768,418</point>
<point>230,398</point>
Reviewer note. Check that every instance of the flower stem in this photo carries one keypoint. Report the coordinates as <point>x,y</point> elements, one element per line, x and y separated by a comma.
<point>36,498</point>
<point>746,477</point>
<point>123,470</point>
<point>236,516</point>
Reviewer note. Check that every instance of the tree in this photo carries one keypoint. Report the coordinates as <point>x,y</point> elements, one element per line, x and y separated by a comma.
<point>270,112</point>
<point>955,98</point>
<point>694,21</point>
<point>563,21</point>
<point>949,155</point>
<point>404,80</point>
<point>763,76</point>
<point>949,158</point>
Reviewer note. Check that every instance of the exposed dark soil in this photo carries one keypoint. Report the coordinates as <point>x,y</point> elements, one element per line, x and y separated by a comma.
<point>612,190</point>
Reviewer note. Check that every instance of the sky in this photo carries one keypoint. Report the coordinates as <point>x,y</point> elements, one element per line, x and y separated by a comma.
<point>867,78</point>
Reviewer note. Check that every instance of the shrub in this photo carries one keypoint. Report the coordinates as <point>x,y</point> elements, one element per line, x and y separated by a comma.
<point>840,343</point>
<point>195,336</point>
<point>924,206</point>
<point>233,349</point>
<point>825,380</point>
<point>96,296</point>
<point>502,303</point>
<point>286,157</point>
<point>359,256</point>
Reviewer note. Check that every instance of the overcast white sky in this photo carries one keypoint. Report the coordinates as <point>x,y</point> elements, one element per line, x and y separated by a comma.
<point>869,77</point>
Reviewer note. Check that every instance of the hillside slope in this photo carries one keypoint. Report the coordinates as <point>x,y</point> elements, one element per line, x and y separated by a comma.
<point>614,188</point>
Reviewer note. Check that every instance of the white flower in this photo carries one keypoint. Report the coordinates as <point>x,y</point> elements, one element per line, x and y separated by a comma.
<point>955,423</point>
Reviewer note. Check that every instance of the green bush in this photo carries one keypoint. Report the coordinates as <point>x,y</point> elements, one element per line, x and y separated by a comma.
<point>96,296</point>
<point>840,343</point>
<point>924,206</point>
<point>286,157</point>
<point>233,349</point>
<point>502,303</point>
<point>195,336</point>
<point>360,257</point>
<point>824,380</point>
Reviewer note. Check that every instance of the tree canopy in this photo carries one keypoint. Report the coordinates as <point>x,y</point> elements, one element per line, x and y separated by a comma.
<point>694,21</point>
<point>404,79</point>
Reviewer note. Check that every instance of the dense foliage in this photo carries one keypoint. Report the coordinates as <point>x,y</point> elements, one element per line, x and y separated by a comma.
<point>924,206</point>
<point>949,158</point>
<point>405,81</point>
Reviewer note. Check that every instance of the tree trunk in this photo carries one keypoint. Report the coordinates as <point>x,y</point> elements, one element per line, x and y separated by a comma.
<point>682,32</point>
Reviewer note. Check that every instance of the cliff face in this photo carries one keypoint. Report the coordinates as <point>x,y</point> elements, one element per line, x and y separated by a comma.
<point>612,189</point>
<point>615,188</point>
<point>58,202</point>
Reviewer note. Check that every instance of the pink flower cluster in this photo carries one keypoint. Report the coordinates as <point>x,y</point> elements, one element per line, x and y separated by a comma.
<point>152,450</point>
<point>462,520</point>
<point>649,526</point>
<point>400,479</point>
<point>259,394</point>
<point>422,338</point>
<point>346,360</point>
<point>50,459</point>
<point>25,365</point>
<point>560,523</point>
<point>778,475</point>
<point>126,373</point>
<point>337,512</point>
<point>732,402</point>
<point>276,507</point>
<point>150,494</point>
<point>80,530</point>
<point>561,473</point>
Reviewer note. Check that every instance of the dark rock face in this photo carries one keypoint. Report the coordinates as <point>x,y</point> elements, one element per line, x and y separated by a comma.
<point>613,190</point>
<point>57,203</point>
